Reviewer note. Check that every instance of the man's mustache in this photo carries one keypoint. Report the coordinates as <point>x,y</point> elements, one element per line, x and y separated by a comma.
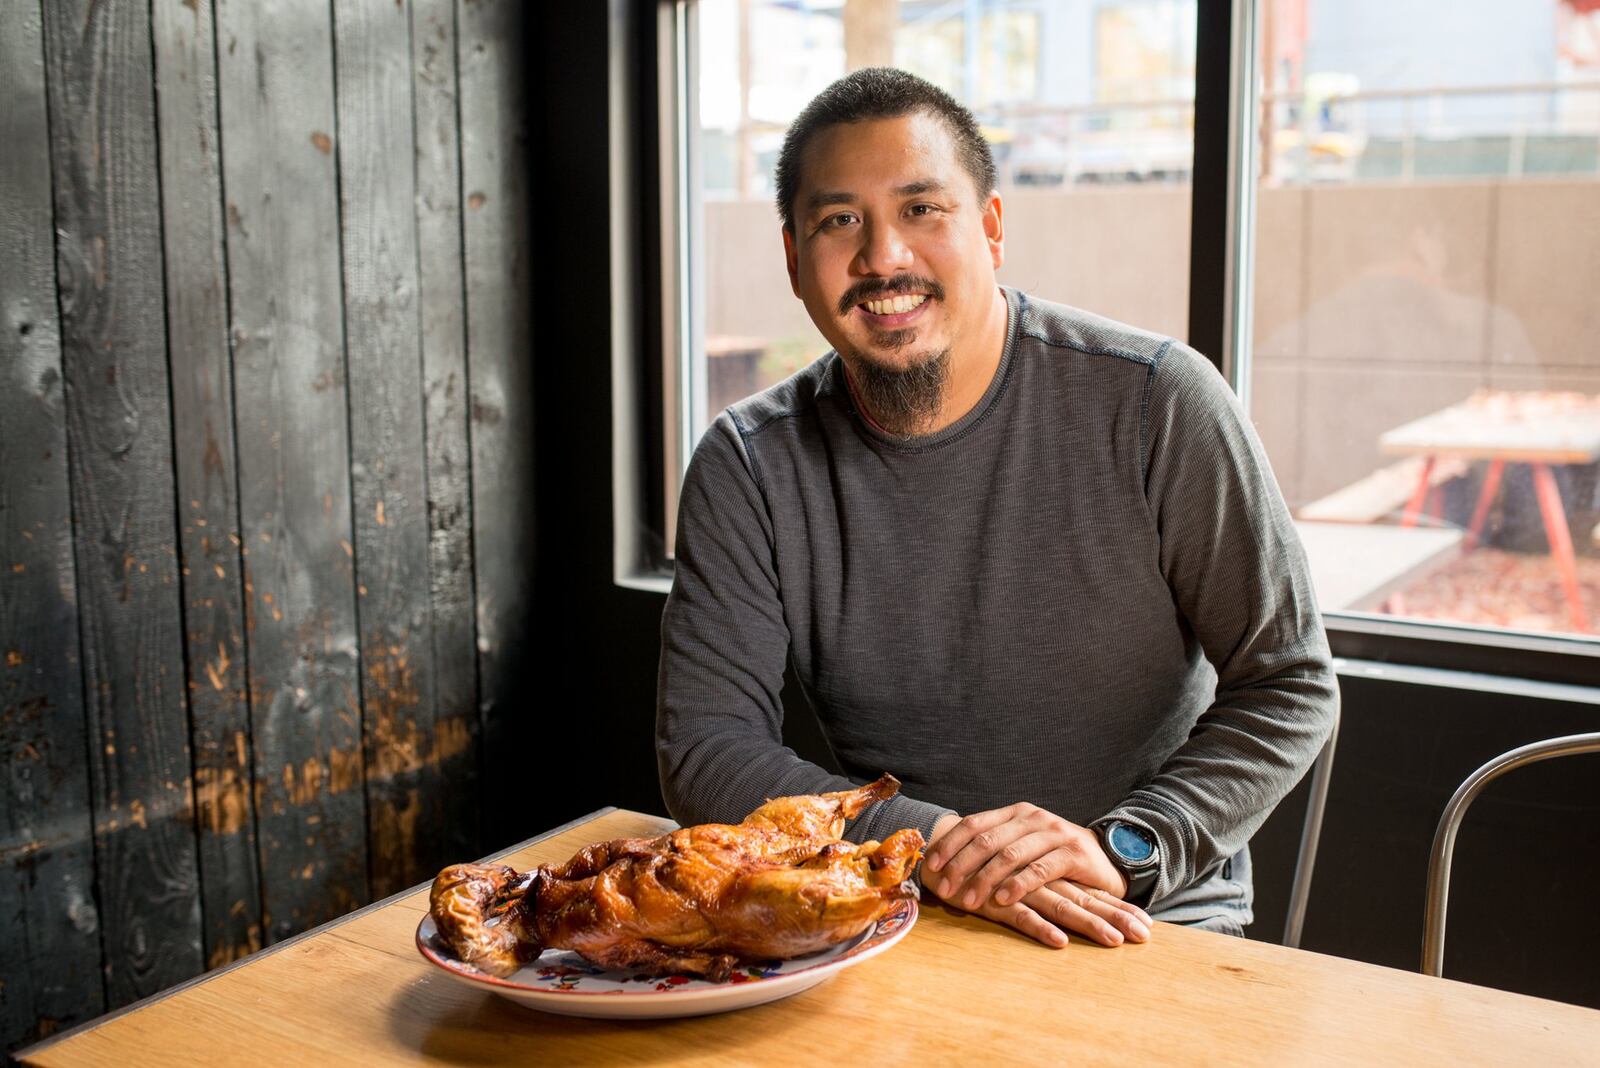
<point>875,288</point>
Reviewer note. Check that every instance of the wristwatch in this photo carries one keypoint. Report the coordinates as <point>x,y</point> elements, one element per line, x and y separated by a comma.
<point>1135,853</point>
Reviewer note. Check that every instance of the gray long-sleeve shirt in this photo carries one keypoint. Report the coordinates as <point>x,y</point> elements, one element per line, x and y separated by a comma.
<point>1086,593</point>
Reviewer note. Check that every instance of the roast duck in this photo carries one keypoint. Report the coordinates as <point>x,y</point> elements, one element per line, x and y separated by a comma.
<point>696,901</point>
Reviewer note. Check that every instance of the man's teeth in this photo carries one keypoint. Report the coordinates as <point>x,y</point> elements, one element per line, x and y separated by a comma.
<point>894,305</point>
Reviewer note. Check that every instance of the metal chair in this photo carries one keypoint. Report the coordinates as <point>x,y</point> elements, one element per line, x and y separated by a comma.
<point>1310,834</point>
<point>1444,839</point>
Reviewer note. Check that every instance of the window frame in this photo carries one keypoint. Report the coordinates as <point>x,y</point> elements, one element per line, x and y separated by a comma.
<point>653,388</point>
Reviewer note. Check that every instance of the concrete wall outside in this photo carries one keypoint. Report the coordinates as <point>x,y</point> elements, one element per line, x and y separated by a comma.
<point>1375,303</point>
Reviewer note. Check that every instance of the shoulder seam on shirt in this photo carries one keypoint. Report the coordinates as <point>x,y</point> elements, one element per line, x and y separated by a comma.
<point>1144,415</point>
<point>749,452</point>
<point>825,389</point>
<point>1092,350</point>
<point>789,413</point>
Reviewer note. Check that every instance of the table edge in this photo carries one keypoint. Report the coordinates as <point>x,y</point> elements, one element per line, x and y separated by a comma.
<point>21,1056</point>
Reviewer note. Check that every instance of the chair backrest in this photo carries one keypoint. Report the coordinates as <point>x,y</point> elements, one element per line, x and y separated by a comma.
<point>1444,839</point>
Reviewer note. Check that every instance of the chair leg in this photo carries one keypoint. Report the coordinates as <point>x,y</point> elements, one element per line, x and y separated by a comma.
<point>1310,834</point>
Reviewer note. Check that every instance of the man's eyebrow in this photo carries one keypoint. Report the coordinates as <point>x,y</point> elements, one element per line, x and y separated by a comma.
<point>921,185</point>
<point>823,198</point>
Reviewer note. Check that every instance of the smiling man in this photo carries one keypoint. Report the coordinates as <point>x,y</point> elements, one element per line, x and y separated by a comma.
<point>1029,560</point>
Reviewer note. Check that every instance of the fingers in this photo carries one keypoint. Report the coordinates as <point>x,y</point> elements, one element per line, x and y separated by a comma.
<point>1103,917</point>
<point>1074,911</point>
<point>998,843</point>
<point>1005,840</point>
<point>966,829</point>
<point>1027,862</point>
<point>1027,921</point>
<point>1049,913</point>
<point>1116,902</point>
<point>1055,861</point>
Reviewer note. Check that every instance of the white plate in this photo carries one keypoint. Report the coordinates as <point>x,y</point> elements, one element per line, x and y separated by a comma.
<point>563,982</point>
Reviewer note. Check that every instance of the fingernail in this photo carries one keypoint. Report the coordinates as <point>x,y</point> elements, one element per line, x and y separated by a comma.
<point>970,899</point>
<point>1140,931</point>
<point>1003,897</point>
<point>945,888</point>
<point>1059,939</point>
<point>934,863</point>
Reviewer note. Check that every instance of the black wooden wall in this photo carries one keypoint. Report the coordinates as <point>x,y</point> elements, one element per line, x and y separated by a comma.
<point>265,472</point>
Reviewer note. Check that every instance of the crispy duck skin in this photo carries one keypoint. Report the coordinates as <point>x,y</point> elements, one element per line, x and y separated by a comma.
<point>695,901</point>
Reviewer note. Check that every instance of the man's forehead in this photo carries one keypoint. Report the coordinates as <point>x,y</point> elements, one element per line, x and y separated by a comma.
<point>907,153</point>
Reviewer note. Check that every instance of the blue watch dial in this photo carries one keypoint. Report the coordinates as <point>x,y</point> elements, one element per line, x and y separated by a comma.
<point>1130,843</point>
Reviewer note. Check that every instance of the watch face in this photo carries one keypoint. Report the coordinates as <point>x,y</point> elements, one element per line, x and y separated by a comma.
<point>1130,843</point>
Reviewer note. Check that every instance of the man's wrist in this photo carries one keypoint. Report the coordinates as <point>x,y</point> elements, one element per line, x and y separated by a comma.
<point>1133,851</point>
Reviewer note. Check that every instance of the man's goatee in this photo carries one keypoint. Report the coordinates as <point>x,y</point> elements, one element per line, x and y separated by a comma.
<point>903,400</point>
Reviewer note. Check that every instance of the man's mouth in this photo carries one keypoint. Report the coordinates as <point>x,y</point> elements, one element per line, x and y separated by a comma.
<point>888,303</point>
<point>895,313</point>
<point>896,305</point>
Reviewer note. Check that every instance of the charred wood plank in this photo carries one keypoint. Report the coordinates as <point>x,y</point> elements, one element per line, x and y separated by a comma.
<point>207,476</point>
<point>444,379</point>
<point>275,75</point>
<point>50,970</point>
<point>494,174</point>
<point>377,184</point>
<point>119,434</point>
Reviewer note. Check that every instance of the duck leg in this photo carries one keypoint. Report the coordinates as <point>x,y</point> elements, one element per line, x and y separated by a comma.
<point>821,815</point>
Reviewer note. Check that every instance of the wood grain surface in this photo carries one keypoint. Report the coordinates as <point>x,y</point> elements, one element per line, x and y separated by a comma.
<point>206,465</point>
<point>276,89</point>
<point>442,322</point>
<point>48,921</point>
<point>956,990</point>
<point>119,444</point>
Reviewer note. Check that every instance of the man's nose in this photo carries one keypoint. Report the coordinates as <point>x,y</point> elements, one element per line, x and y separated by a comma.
<point>883,251</point>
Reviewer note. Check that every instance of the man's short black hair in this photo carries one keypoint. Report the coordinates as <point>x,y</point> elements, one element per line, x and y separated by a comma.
<point>880,93</point>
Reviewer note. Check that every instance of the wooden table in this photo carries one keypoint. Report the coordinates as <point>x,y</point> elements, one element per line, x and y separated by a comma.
<point>957,990</point>
<point>1534,427</point>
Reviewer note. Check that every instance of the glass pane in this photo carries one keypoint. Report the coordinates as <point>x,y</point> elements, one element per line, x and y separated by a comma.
<point>1088,105</point>
<point>1426,371</point>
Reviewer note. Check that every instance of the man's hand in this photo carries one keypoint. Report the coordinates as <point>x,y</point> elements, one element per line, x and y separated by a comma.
<point>1002,856</point>
<point>1048,913</point>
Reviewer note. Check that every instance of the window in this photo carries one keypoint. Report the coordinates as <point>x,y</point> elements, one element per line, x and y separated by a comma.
<point>1425,371</point>
<point>1423,353</point>
<point>1088,107</point>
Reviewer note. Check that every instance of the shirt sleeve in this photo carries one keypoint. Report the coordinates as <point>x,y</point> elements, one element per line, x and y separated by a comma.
<point>724,644</point>
<point>1233,560</point>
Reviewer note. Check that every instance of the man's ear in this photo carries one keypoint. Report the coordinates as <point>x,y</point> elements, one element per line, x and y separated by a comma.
<point>791,259</point>
<point>994,230</point>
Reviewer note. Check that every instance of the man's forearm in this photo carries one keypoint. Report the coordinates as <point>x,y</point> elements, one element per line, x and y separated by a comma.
<point>1248,751</point>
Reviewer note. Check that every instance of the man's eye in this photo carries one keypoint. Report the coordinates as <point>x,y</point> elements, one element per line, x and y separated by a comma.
<point>844,218</point>
<point>924,209</point>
